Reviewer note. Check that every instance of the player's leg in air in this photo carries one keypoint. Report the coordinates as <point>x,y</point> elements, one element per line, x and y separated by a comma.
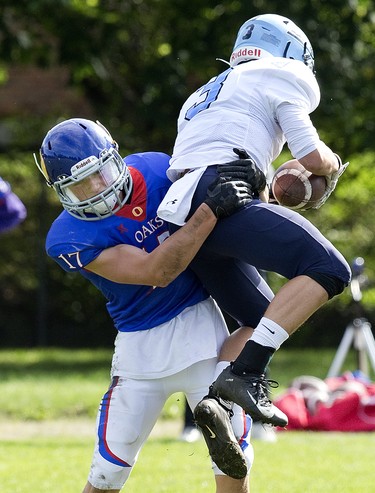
<point>247,302</point>
<point>274,239</point>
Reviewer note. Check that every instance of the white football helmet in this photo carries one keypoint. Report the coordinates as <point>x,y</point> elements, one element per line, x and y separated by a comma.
<point>271,35</point>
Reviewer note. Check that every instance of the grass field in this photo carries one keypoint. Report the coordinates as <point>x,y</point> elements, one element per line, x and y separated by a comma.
<point>48,405</point>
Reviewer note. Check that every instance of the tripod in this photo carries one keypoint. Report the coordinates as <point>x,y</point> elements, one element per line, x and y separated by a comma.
<point>358,333</point>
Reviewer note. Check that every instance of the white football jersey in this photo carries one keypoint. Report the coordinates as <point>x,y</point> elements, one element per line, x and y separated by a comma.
<point>256,106</point>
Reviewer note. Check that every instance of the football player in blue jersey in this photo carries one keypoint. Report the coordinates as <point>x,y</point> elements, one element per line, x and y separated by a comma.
<point>260,102</point>
<point>170,330</point>
<point>12,209</point>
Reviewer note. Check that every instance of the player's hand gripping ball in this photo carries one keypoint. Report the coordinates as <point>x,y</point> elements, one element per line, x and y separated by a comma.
<point>296,188</point>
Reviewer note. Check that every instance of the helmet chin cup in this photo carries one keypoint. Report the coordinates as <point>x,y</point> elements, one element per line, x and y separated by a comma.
<point>107,205</point>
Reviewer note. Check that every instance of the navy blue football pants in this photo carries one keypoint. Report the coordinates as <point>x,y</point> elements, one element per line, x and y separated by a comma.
<point>265,237</point>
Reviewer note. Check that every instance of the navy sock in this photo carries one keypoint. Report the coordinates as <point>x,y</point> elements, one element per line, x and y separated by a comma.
<point>254,358</point>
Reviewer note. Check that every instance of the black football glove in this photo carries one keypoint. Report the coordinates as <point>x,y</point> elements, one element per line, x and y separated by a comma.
<point>225,196</point>
<point>244,169</point>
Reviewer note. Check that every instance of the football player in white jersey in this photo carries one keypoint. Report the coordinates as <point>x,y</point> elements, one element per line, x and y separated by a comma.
<point>260,102</point>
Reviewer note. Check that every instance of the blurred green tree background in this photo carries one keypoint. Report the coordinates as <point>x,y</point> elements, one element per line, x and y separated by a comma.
<point>131,64</point>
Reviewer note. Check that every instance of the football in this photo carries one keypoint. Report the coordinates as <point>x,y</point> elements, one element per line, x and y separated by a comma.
<point>295,187</point>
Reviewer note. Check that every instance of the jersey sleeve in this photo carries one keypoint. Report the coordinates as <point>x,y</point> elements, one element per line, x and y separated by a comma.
<point>293,83</point>
<point>295,96</point>
<point>72,243</point>
<point>73,260</point>
<point>300,133</point>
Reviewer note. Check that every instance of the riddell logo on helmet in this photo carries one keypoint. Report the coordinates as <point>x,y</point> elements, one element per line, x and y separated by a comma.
<point>246,52</point>
<point>84,162</point>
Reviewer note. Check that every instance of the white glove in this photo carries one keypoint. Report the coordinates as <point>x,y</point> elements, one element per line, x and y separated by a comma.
<point>331,182</point>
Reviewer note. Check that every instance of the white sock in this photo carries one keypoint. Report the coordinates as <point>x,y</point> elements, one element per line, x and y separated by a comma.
<point>269,333</point>
<point>220,366</point>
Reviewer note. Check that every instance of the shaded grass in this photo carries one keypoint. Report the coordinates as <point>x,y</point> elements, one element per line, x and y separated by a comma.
<point>60,383</point>
<point>45,384</point>
<point>52,383</point>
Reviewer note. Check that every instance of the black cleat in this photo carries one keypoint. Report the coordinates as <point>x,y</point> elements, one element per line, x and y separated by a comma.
<point>249,392</point>
<point>213,420</point>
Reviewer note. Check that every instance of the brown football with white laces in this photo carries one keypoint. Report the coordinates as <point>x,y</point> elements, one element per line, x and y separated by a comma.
<point>293,186</point>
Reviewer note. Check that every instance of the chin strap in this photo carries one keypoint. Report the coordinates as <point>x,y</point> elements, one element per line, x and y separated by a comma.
<point>221,60</point>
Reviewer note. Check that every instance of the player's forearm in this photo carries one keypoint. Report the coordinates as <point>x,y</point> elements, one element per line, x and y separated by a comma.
<point>321,161</point>
<point>175,254</point>
<point>131,265</point>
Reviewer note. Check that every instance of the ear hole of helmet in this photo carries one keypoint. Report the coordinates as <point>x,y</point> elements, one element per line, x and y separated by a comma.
<point>285,54</point>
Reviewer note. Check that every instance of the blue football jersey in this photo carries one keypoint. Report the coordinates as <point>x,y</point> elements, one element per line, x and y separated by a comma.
<point>74,243</point>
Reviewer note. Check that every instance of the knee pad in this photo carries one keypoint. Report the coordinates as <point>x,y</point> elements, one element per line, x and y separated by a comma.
<point>106,476</point>
<point>332,284</point>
